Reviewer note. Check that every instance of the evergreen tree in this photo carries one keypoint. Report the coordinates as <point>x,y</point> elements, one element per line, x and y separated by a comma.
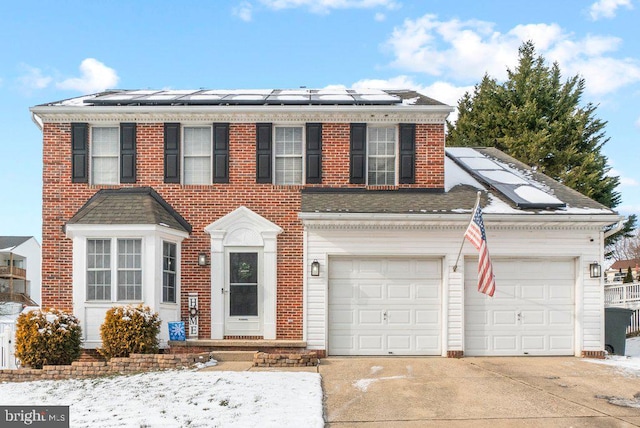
<point>537,118</point>
<point>628,278</point>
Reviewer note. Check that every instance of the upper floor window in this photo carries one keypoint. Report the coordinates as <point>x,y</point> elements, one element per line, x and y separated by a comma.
<point>105,149</point>
<point>288,154</point>
<point>381,156</point>
<point>107,157</point>
<point>197,155</point>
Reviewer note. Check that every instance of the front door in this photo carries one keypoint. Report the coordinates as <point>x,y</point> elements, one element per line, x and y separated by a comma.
<point>243,291</point>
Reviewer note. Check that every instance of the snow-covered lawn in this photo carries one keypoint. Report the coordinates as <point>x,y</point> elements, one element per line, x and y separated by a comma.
<point>181,398</point>
<point>630,362</point>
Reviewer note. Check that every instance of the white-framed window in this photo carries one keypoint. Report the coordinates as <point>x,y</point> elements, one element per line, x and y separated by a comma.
<point>197,155</point>
<point>169,272</point>
<point>289,152</point>
<point>127,269</point>
<point>98,269</point>
<point>381,155</point>
<point>105,154</point>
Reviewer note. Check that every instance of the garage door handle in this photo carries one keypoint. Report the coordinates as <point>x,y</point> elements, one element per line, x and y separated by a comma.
<point>384,315</point>
<point>519,316</point>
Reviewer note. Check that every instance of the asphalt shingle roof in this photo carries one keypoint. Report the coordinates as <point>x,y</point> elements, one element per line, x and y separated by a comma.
<point>138,205</point>
<point>12,241</point>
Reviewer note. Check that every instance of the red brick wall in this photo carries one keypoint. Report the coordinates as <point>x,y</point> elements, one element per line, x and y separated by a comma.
<point>201,205</point>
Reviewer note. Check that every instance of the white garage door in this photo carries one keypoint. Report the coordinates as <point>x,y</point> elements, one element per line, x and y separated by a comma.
<point>384,306</point>
<point>531,312</point>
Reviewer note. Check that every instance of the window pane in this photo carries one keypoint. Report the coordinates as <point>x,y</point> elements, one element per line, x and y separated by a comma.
<point>381,152</point>
<point>288,170</point>
<point>244,268</point>
<point>243,300</point>
<point>105,141</point>
<point>197,170</point>
<point>129,269</point>
<point>98,269</point>
<point>197,141</point>
<point>169,272</point>
<point>105,149</point>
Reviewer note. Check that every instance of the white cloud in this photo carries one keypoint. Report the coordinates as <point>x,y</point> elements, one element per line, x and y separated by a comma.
<point>441,91</point>
<point>379,17</point>
<point>465,50</point>
<point>638,122</point>
<point>244,11</point>
<point>607,8</point>
<point>325,6</point>
<point>95,77</point>
<point>33,79</point>
<point>624,181</point>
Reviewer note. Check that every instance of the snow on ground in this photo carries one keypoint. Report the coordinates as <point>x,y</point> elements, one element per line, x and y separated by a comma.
<point>629,364</point>
<point>181,398</point>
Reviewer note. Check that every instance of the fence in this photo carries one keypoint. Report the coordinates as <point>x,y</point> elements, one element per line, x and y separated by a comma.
<point>7,342</point>
<point>635,322</point>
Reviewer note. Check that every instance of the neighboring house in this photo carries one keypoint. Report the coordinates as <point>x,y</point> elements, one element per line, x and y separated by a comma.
<point>20,270</point>
<point>332,218</point>
<point>619,269</point>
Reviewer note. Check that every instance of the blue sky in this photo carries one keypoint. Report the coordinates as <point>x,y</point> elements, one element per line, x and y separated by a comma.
<point>53,50</point>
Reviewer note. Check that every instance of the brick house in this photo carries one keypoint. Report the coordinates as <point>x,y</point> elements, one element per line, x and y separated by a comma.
<point>329,219</point>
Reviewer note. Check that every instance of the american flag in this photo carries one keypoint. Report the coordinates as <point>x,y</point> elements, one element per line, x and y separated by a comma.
<point>476,235</point>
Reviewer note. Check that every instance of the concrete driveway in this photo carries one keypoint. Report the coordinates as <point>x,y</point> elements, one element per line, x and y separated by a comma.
<point>477,392</point>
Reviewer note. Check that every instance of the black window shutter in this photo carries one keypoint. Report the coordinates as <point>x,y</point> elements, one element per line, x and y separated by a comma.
<point>172,153</point>
<point>79,152</point>
<point>127,152</point>
<point>358,153</point>
<point>263,153</point>
<point>314,153</point>
<point>220,152</point>
<point>407,153</point>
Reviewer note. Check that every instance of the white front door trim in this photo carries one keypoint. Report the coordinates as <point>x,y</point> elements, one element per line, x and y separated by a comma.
<point>243,228</point>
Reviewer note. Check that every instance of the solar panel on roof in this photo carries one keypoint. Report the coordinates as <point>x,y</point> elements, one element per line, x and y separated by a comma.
<point>246,97</point>
<point>519,189</point>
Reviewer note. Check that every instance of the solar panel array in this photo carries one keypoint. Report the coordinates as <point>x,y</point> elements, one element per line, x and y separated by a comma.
<point>247,97</point>
<point>516,187</point>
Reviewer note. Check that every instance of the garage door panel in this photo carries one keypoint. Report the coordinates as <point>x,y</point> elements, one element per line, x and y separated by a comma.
<point>426,317</point>
<point>502,344</point>
<point>342,317</point>
<point>504,318</point>
<point>533,318</point>
<point>394,300</point>
<point>531,313</point>
<point>370,291</point>
<point>370,343</point>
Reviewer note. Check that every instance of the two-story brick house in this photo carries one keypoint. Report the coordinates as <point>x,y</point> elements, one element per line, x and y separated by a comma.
<point>332,218</point>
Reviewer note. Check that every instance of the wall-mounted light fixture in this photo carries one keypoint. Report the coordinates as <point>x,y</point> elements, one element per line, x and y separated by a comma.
<point>595,270</point>
<point>315,268</point>
<point>202,259</point>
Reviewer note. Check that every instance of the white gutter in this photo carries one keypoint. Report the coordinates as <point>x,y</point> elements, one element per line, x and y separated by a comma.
<point>36,119</point>
<point>443,219</point>
<point>182,109</point>
<point>616,229</point>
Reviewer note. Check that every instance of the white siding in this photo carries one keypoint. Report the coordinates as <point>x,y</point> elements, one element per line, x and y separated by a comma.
<point>580,242</point>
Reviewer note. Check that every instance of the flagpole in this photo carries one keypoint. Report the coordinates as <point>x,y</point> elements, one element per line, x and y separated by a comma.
<point>475,207</point>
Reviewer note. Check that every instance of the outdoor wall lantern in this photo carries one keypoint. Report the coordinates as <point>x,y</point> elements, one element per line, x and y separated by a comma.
<point>595,270</point>
<point>315,268</point>
<point>202,259</point>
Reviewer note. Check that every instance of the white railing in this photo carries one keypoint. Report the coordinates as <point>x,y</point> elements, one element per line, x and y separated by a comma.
<point>622,295</point>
